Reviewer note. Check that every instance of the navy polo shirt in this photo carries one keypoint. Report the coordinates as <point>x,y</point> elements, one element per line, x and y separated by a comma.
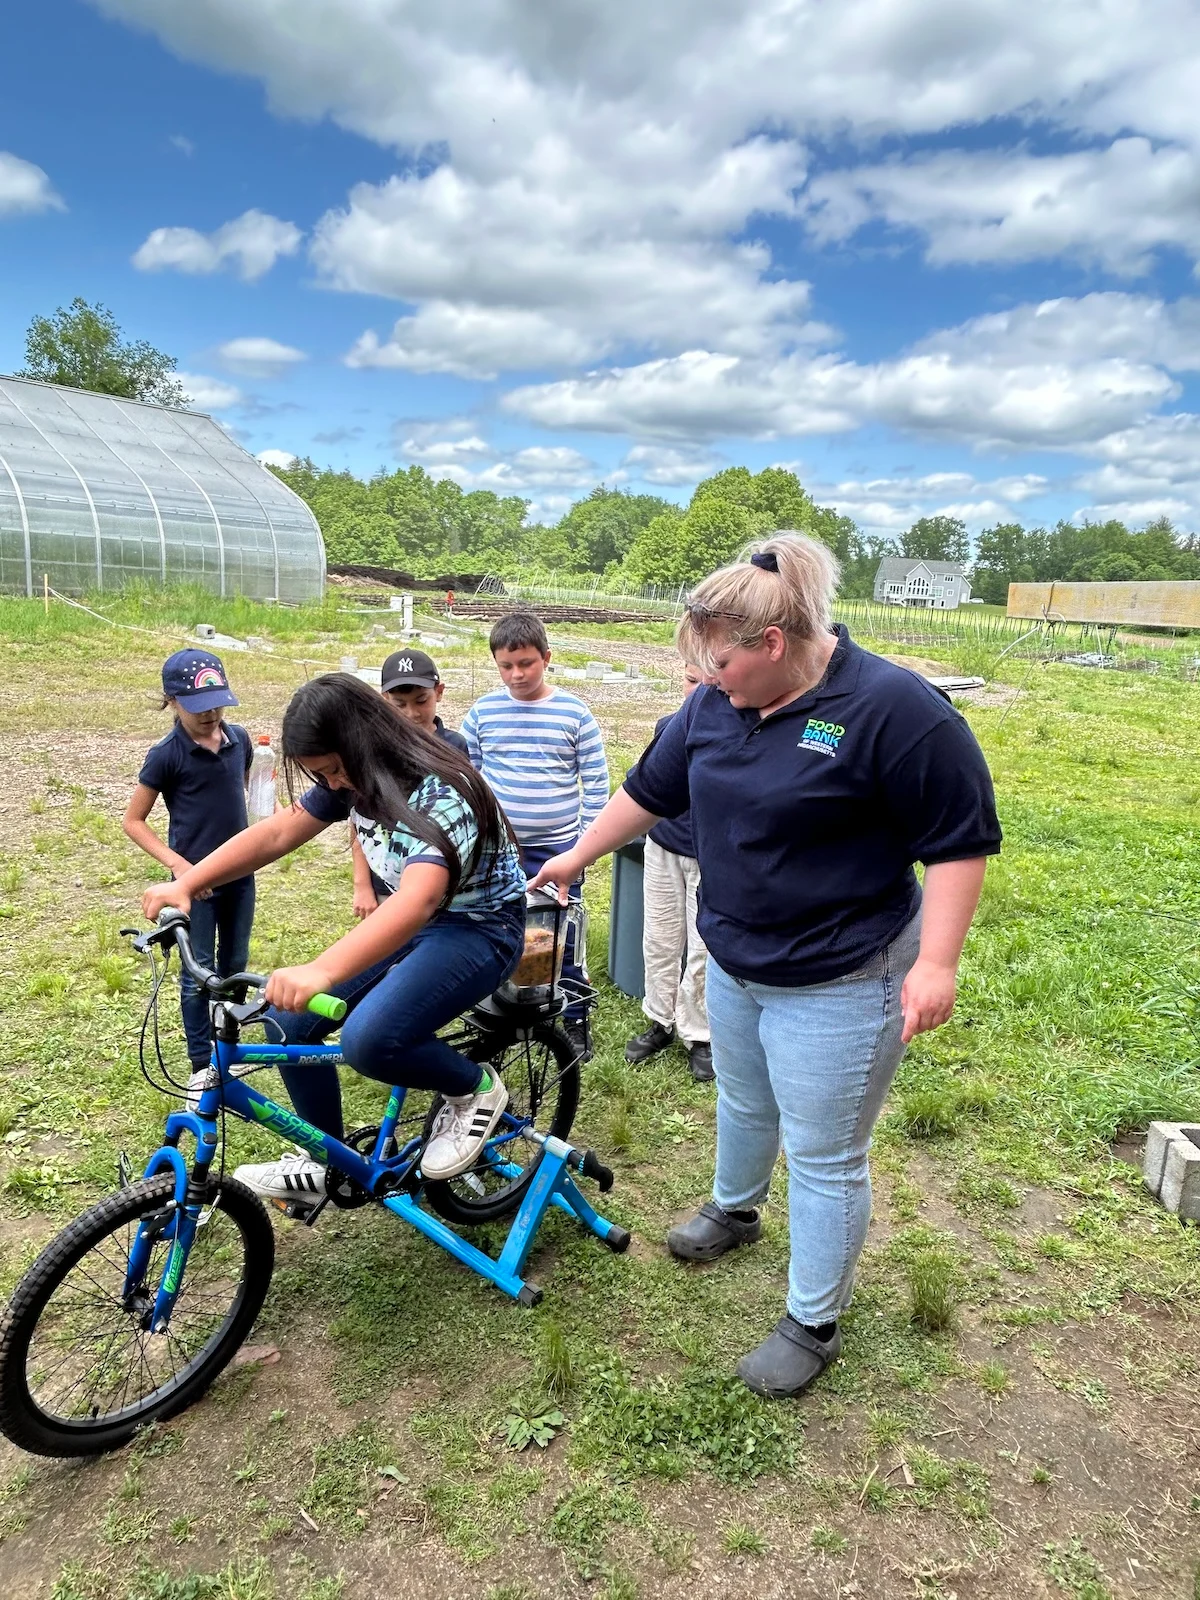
<point>204,790</point>
<point>807,823</point>
<point>673,833</point>
<point>452,737</point>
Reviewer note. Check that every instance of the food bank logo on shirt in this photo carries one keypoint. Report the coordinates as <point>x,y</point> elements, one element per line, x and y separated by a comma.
<point>822,736</point>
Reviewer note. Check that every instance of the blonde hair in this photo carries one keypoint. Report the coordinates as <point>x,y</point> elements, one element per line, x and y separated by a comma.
<point>738,603</point>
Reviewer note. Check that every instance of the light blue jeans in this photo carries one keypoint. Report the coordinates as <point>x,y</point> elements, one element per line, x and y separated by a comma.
<point>808,1069</point>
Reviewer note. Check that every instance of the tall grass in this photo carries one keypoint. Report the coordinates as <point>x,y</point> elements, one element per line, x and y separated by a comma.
<point>178,608</point>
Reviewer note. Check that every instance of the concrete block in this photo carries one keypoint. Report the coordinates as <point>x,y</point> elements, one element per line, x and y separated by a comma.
<point>596,670</point>
<point>1159,1137</point>
<point>1171,1167</point>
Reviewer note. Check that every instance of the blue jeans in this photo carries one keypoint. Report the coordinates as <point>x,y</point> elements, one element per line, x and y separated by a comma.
<point>809,1069</point>
<point>220,928</point>
<point>396,1008</point>
<point>533,858</point>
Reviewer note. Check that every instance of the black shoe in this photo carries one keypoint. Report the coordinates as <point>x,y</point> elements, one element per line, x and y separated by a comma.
<point>788,1360</point>
<point>577,1038</point>
<point>710,1233</point>
<point>650,1043</point>
<point>700,1061</point>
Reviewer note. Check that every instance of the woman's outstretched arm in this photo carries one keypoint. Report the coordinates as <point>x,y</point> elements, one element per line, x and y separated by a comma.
<point>621,820</point>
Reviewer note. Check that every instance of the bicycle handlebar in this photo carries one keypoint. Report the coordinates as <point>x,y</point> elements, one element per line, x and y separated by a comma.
<point>173,928</point>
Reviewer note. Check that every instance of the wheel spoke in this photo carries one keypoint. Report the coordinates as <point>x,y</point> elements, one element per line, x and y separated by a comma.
<point>90,1358</point>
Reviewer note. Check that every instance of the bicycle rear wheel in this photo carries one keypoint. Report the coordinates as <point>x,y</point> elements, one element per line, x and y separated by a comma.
<point>80,1372</point>
<point>541,1074</point>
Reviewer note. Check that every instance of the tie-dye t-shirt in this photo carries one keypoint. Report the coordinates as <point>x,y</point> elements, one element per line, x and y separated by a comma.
<point>496,880</point>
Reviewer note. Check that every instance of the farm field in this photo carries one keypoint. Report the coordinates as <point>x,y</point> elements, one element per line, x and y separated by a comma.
<point>1015,1413</point>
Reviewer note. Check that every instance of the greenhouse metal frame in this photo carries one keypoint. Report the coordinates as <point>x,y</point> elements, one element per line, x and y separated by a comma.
<point>97,492</point>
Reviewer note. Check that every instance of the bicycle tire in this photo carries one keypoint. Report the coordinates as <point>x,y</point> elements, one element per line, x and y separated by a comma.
<point>24,1415</point>
<point>458,1199</point>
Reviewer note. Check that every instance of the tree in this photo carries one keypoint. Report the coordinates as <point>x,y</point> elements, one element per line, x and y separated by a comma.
<point>81,346</point>
<point>937,539</point>
<point>600,530</point>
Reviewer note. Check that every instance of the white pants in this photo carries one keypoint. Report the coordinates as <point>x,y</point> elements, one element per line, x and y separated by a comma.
<point>674,986</point>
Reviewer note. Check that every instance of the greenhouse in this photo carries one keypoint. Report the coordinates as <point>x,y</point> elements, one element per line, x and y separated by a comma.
<point>97,492</point>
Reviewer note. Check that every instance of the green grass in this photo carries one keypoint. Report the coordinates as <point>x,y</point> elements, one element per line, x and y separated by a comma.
<point>1003,1220</point>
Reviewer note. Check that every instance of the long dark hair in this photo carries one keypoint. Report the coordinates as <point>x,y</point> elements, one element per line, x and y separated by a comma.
<point>385,756</point>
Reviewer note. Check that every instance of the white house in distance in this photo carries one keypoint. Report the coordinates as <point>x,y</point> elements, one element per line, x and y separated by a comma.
<point>913,581</point>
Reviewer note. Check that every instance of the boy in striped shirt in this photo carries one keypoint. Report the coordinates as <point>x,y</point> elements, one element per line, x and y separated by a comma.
<point>541,752</point>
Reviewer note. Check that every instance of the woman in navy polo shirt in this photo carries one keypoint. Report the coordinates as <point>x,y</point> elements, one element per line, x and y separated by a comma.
<point>817,774</point>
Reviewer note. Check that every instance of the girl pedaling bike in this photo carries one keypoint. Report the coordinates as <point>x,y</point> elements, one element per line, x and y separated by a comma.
<point>450,933</point>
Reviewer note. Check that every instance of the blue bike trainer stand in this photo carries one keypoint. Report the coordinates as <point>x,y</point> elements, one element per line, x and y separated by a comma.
<point>552,1186</point>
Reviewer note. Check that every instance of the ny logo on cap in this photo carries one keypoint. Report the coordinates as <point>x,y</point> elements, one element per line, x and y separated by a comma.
<point>404,664</point>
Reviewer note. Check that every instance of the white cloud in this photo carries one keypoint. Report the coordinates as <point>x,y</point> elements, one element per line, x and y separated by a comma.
<point>667,466</point>
<point>446,452</point>
<point>962,393</point>
<point>565,259</point>
<point>590,193</point>
<point>891,505</point>
<point>276,458</point>
<point>536,467</point>
<point>493,73</point>
<point>259,357</point>
<point>209,394</point>
<point>252,242</point>
<point>470,341</point>
<point>183,144</point>
<point>1128,327</point>
<point>25,188</point>
<point>1111,207</point>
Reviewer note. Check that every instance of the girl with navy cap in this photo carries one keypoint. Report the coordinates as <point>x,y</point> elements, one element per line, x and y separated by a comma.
<point>818,775</point>
<point>200,769</point>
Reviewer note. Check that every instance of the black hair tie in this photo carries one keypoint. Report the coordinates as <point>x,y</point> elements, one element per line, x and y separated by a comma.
<point>766,559</point>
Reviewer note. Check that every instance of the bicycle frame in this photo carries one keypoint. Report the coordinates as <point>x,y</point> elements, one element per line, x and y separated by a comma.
<point>391,1180</point>
<point>246,1103</point>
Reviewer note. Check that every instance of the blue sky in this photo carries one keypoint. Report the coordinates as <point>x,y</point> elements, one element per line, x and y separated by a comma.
<point>935,256</point>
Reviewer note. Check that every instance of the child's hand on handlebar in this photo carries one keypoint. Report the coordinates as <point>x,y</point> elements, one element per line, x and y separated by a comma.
<point>561,871</point>
<point>291,988</point>
<point>161,895</point>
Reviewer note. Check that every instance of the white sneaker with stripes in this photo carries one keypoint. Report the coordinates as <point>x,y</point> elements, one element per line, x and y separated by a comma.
<point>295,1177</point>
<point>462,1128</point>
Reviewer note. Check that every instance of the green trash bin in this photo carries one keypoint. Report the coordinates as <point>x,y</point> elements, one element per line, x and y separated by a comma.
<point>625,968</point>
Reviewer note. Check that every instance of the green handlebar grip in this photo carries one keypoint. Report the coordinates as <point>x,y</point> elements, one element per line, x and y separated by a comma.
<point>328,1005</point>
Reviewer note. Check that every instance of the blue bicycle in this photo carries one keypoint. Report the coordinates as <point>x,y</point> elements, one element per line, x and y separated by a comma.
<point>129,1315</point>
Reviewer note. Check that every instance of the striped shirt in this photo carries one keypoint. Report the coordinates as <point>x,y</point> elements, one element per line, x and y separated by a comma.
<point>544,760</point>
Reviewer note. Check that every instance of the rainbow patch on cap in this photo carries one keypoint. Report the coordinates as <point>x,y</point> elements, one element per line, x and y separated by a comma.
<point>208,678</point>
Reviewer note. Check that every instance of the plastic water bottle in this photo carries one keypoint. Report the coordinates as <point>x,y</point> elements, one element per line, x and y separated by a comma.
<point>260,801</point>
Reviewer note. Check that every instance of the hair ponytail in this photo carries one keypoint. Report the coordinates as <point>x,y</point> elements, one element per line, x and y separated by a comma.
<point>786,581</point>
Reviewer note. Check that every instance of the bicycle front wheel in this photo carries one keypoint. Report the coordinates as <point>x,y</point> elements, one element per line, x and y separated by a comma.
<point>541,1074</point>
<point>80,1370</point>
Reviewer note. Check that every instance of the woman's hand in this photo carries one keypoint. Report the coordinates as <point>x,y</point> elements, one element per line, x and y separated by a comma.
<point>291,988</point>
<point>927,997</point>
<point>365,901</point>
<point>561,871</point>
<point>161,895</point>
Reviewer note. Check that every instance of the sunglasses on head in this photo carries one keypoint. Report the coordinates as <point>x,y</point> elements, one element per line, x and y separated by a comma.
<point>702,613</point>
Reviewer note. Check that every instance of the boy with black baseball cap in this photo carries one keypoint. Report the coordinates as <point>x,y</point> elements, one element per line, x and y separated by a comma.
<point>411,681</point>
<point>413,684</point>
